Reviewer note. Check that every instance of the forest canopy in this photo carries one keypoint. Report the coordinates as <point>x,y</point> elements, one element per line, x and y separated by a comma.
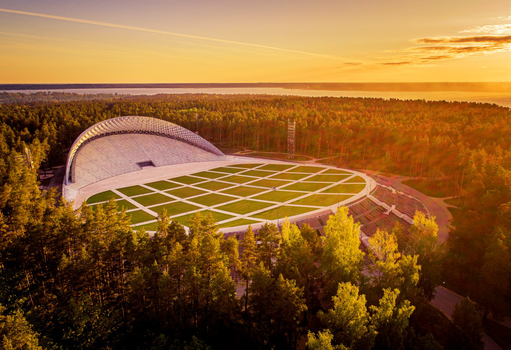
<point>87,280</point>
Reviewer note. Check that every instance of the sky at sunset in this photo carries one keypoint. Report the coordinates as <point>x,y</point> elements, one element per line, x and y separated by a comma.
<point>199,41</point>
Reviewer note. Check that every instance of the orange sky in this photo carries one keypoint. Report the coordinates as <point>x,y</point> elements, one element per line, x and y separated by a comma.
<point>254,41</point>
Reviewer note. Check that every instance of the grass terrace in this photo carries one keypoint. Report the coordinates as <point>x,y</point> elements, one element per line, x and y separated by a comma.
<point>282,212</point>
<point>212,199</point>
<point>269,183</point>
<point>345,188</point>
<point>134,190</point>
<point>276,167</point>
<point>356,179</point>
<point>185,219</point>
<point>235,195</point>
<point>248,166</point>
<point>209,175</point>
<point>174,208</point>
<point>102,197</point>
<point>306,169</point>
<point>238,179</point>
<point>279,196</point>
<point>258,173</point>
<point>162,185</point>
<point>336,172</point>
<point>138,216</point>
<point>228,170</point>
<point>244,206</point>
<point>152,199</point>
<point>187,180</point>
<point>214,185</point>
<point>327,178</point>
<point>244,191</point>
<point>122,204</point>
<point>186,192</point>
<point>306,186</point>
<point>239,222</point>
<point>321,200</point>
<point>289,176</point>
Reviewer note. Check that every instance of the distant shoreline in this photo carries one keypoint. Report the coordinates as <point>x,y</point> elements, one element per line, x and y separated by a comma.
<point>504,87</point>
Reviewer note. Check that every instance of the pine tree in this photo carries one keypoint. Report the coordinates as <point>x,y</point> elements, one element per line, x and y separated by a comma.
<point>495,275</point>
<point>16,333</point>
<point>348,319</point>
<point>341,259</point>
<point>467,330</point>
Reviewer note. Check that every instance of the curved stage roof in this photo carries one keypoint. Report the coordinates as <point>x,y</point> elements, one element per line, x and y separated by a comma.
<point>130,145</point>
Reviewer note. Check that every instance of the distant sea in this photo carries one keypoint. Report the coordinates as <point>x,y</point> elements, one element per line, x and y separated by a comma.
<point>498,98</point>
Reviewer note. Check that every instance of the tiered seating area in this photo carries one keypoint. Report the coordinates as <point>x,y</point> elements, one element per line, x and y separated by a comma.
<point>409,206</point>
<point>119,154</point>
<point>318,222</point>
<point>372,216</point>
<point>365,211</point>
<point>384,194</point>
<point>403,203</point>
<point>384,222</point>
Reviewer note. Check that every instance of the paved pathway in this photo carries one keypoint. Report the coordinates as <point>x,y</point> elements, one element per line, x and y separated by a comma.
<point>435,206</point>
<point>445,300</point>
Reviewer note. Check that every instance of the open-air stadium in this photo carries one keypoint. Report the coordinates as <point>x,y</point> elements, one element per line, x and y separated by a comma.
<point>148,165</point>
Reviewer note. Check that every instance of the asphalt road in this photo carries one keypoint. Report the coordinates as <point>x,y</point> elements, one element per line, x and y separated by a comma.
<point>445,300</point>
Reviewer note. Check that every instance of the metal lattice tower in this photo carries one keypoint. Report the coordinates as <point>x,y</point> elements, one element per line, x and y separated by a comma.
<point>291,132</point>
<point>28,157</point>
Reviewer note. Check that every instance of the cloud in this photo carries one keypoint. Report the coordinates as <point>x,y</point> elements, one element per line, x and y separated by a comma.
<point>396,63</point>
<point>155,31</point>
<point>436,58</point>
<point>486,39</point>
<point>432,49</point>
<point>494,29</point>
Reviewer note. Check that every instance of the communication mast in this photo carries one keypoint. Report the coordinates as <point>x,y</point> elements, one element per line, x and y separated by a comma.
<point>291,127</point>
<point>197,123</point>
<point>28,157</point>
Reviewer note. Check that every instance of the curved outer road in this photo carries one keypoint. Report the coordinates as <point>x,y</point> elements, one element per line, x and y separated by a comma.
<point>435,206</point>
<point>445,300</point>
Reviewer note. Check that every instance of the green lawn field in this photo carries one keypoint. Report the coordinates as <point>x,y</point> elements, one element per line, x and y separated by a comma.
<point>134,190</point>
<point>174,208</point>
<point>244,206</point>
<point>187,180</point>
<point>151,199</point>
<point>281,212</point>
<point>162,185</point>
<point>102,197</point>
<point>258,173</point>
<point>236,195</point>
<point>186,192</point>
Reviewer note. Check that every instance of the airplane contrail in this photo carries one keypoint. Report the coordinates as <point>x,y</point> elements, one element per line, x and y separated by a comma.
<point>156,31</point>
